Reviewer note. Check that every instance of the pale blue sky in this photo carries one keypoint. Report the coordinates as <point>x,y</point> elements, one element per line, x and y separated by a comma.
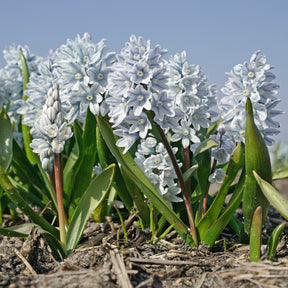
<point>216,34</point>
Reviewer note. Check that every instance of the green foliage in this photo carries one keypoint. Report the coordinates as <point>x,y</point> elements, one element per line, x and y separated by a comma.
<point>274,240</point>
<point>140,179</point>
<point>273,196</point>
<point>256,159</point>
<point>255,235</point>
<point>6,137</point>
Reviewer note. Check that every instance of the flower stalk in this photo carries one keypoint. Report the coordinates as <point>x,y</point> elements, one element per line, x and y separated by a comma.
<point>181,183</point>
<point>59,196</point>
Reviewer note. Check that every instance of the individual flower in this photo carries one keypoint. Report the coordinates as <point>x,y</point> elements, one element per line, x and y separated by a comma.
<point>217,176</point>
<point>185,133</point>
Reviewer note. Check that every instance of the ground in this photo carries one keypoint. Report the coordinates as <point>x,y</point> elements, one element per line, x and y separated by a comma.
<point>101,261</point>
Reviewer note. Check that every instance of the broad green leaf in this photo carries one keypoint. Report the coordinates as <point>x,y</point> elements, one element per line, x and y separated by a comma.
<point>93,196</point>
<point>255,235</point>
<point>6,137</point>
<point>235,164</point>
<point>256,159</point>
<point>73,163</point>
<point>27,138</point>
<point>279,174</point>
<point>138,176</point>
<point>204,169</point>
<point>273,196</point>
<point>105,158</point>
<point>274,240</point>
<point>84,174</point>
<point>24,169</point>
<point>187,174</point>
<point>137,197</point>
<point>204,146</point>
<point>14,195</point>
<point>217,227</point>
<point>11,233</point>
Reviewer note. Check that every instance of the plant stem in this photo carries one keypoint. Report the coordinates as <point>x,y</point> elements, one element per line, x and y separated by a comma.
<point>181,183</point>
<point>59,196</point>
<point>186,153</point>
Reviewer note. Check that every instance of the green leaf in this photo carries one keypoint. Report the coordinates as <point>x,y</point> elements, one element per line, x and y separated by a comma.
<point>217,227</point>
<point>187,174</point>
<point>204,146</point>
<point>83,177</point>
<point>11,233</point>
<point>137,197</point>
<point>93,196</point>
<point>27,138</point>
<point>273,196</point>
<point>256,159</point>
<point>25,73</point>
<point>73,163</point>
<point>138,176</point>
<point>279,174</point>
<point>6,137</point>
<point>203,172</point>
<point>105,158</point>
<point>255,235</point>
<point>24,168</point>
<point>235,164</point>
<point>274,240</point>
<point>14,195</point>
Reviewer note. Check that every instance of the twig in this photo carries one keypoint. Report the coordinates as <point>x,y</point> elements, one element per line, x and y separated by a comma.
<point>30,268</point>
<point>120,269</point>
<point>165,262</point>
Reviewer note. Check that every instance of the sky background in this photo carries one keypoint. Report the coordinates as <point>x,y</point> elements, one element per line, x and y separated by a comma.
<point>216,34</point>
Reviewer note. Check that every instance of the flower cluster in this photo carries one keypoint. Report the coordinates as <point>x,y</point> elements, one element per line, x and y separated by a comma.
<point>82,72</point>
<point>193,99</point>
<point>154,160</point>
<point>137,84</point>
<point>37,89</point>
<point>51,131</point>
<point>252,79</point>
<point>11,79</point>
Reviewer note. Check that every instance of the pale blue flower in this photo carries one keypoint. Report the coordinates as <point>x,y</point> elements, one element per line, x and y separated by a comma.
<point>185,133</point>
<point>127,138</point>
<point>51,131</point>
<point>162,105</point>
<point>217,176</point>
<point>252,79</point>
<point>139,99</point>
<point>86,96</point>
<point>169,195</point>
<point>140,73</point>
<point>136,86</point>
<point>140,124</point>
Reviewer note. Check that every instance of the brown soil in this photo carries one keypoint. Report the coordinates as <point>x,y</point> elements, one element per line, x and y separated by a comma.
<point>101,261</point>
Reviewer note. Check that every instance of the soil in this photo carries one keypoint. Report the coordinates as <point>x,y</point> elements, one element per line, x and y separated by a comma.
<point>102,261</point>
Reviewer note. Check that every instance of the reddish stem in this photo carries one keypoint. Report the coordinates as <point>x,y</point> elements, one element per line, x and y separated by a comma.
<point>59,197</point>
<point>181,183</point>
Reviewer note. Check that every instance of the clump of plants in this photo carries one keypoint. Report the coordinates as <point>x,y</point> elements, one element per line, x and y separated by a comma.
<point>84,129</point>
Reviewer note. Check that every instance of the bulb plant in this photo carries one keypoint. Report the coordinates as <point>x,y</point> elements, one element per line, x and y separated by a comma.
<point>85,128</point>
